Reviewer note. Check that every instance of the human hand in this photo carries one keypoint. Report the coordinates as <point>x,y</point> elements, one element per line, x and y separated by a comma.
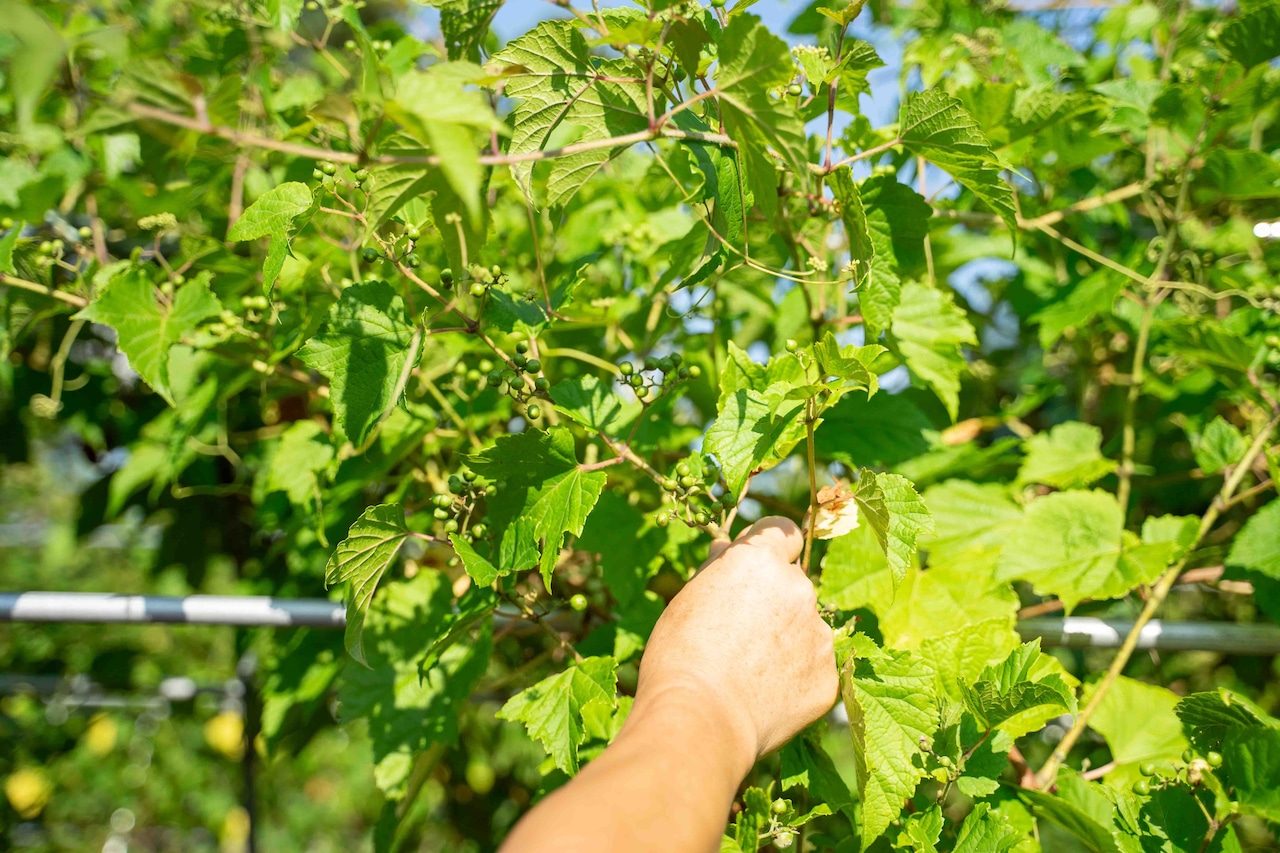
<point>743,642</point>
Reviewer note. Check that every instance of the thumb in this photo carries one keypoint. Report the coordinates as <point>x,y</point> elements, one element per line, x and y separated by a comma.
<point>781,537</point>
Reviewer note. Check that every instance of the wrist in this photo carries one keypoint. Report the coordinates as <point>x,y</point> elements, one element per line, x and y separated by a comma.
<point>714,727</point>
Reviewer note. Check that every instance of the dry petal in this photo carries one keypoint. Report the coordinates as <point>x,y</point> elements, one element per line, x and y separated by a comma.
<point>837,512</point>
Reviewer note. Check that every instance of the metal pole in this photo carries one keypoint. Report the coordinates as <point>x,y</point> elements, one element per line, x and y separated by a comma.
<point>265,611</point>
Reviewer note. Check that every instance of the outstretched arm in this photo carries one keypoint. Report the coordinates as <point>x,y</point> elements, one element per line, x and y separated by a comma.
<point>738,663</point>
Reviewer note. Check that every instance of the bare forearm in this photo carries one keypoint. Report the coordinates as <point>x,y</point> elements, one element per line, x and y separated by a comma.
<point>666,783</point>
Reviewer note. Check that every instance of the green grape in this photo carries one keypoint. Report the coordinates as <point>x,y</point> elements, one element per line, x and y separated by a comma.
<point>578,602</point>
<point>370,255</point>
<point>636,380</point>
<point>1147,769</point>
<point>669,484</point>
<point>522,347</point>
<point>694,371</point>
<point>412,232</point>
<point>780,806</point>
<point>479,530</point>
<point>1142,787</point>
<point>542,385</point>
<point>641,393</point>
<point>441,513</point>
<point>470,476</point>
<point>1214,758</point>
<point>534,412</point>
<point>446,276</point>
<point>651,363</point>
<point>688,482</point>
<point>478,290</point>
<point>683,469</point>
<point>675,359</point>
<point>328,168</point>
<point>533,366</point>
<point>451,526</point>
<point>626,368</point>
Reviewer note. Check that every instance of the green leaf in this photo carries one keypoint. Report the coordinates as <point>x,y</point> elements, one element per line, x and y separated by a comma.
<point>364,349</point>
<point>971,522</point>
<point>752,62</point>
<point>551,74</point>
<point>628,545</point>
<point>1253,37</point>
<point>146,328</point>
<point>465,25</point>
<point>547,495</point>
<point>409,710</point>
<point>1207,717</point>
<point>1252,758</point>
<point>862,249</point>
<point>1138,723</point>
<point>890,506</point>
<point>855,571</point>
<point>936,126</point>
<point>1093,295</point>
<point>883,430</point>
<point>1084,811</point>
<point>750,434</point>
<point>1256,546</point>
<point>362,558</point>
<point>985,830</point>
<point>553,710</point>
<point>1069,456</point>
<point>1242,174</point>
<point>1219,446</point>
<point>852,365</point>
<point>1067,545</point>
<point>595,404</point>
<point>7,242</point>
<point>898,221</point>
<point>959,657</point>
<point>930,331</point>
<point>273,215</point>
<point>303,451</point>
<point>480,569</point>
<point>920,831</point>
<point>805,764</point>
<point>889,696</point>
<point>1009,689</point>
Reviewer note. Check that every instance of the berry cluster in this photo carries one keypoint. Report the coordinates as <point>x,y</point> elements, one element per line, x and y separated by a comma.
<point>652,385</point>
<point>1193,767</point>
<point>512,382</point>
<point>692,483</point>
<point>456,507</point>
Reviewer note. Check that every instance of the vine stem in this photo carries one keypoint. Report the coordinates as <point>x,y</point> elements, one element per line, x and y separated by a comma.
<point>52,292</point>
<point>813,485</point>
<point>1049,772</point>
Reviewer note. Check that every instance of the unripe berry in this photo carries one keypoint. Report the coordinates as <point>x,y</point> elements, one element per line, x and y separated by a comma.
<point>669,484</point>
<point>446,276</point>
<point>791,345</point>
<point>478,290</point>
<point>479,530</point>
<point>542,384</point>
<point>485,365</point>
<point>534,412</point>
<point>794,90</point>
<point>641,393</point>
<point>650,363</point>
<point>451,526</point>
<point>522,347</point>
<point>412,232</point>
<point>719,4</point>
<point>363,175</point>
<point>662,520</point>
<point>494,378</point>
<point>1187,755</point>
<point>1142,787</point>
<point>636,380</point>
<point>370,255</point>
<point>578,602</point>
<point>779,806</point>
<point>665,365</point>
<point>694,371</point>
<point>455,483</point>
<point>687,482</point>
<point>534,366</point>
<point>785,837</point>
<point>683,469</point>
<point>412,262</point>
<point>1214,759</point>
<point>328,168</point>
<point>675,358</point>
<point>470,476</point>
<point>85,232</point>
<point>626,368</point>
<point>441,513</point>
<point>1147,769</point>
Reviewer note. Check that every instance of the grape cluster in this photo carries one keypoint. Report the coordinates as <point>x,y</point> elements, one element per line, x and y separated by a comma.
<point>691,494</point>
<point>647,382</point>
<point>455,508</point>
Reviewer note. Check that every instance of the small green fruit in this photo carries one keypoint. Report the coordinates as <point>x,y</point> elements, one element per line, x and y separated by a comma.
<point>701,517</point>
<point>412,232</point>
<point>687,482</point>
<point>533,366</point>
<point>669,484</point>
<point>794,90</point>
<point>792,345</point>
<point>675,358</point>
<point>626,368</point>
<point>470,476</point>
<point>446,276</point>
<point>1147,769</point>
<point>542,384</point>
<point>636,380</point>
<point>363,175</point>
<point>328,168</point>
<point>479,530</point>
<point>412,262</point>
<point>534,412</point>
<point>441,513</point>
<point>780,806</point>
<point>1214,759</point>
<point>641,393</point>
<point>522,347</point>
<point>694,371</point>
<point>578,602</point>
<point>478,290</point>
<point>650,363</point>
<point>451,526</point>
<point>370,255</point>
<point>719,4</point>
<point>1142,787</point>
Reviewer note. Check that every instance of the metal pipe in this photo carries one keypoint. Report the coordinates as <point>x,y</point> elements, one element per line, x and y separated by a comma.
<point>1079,632</point>
<point>240,610</point>
<point>261,610</point>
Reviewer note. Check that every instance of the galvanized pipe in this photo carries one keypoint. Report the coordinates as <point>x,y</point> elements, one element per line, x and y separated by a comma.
<point>266,611</point>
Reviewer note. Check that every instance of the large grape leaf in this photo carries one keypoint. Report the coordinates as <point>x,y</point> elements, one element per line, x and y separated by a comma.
<point>804,763</point>
<point>890,506</point>
<point>303,451</point>
<point>1251,757</point>
<point>936,126</point>
<point>930,331</point>
<point>362,558</point>
<point>754,61</point>
<point>1067,545</point>
<point>410,700</point>
<point>897,222</point>
<point>971,522</point>
<point>1253,37</point>
<point>555,81</point>
<point>546,496</point>
<point>1068,456</point>
<point>364,348</point>
<point>594,404</point>
<point>1257,545</point>
<point>147,326</point>
<point>855,571</point>
<point>1138,723</point>
<point>559,710</point>
<point>273,215</point>
<point>893,714</point>
<point>750,433</point>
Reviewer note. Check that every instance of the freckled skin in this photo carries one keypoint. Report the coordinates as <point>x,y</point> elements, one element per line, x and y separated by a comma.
<point>738,664</point>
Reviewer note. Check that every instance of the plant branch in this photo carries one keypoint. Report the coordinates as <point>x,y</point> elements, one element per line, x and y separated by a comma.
<point>1049,772</point>
<point>812,515</point>
<point>35,287</point>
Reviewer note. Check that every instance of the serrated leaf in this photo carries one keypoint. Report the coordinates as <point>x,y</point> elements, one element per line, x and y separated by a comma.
<point>1219,446</point>
<point>7,242</point>
<point>889,696</point>
<point>363,348</point>
<point>986,831</point>
<point>1004,691</point>
<point>303,451</point>
<point>1082,809</point>
<point>1067,545</point>
<point>594,404</point>
<point>752,62</point>
<point>145,327</point>
<point>464,24</point>
<point>547,495</point>
<point>897,221</point>
<point>552,710</point>
<point>936,126</point>
<point>1206,717</point>
<point>408,709</point>
<point>272,215</point>
<point>551,74</point>
<point>891,507</point>
<point>362,558</point>
<point>855,571</point>
<point>930,331</point>
<point>804,763</point>
<point>750,434</point>
<point>477,567</point>
<point>1253,37</point>
<point>862,250</point>
<point>1252,758</point>
<point>1257,545</point>
<point>971,522</point>
<point>1068,456</point>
